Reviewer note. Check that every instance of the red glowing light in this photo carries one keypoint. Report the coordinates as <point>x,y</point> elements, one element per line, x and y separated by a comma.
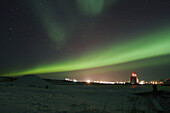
<point>133,74</point>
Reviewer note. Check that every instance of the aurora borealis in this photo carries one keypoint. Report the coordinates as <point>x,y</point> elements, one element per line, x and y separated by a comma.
<point>86,38</point>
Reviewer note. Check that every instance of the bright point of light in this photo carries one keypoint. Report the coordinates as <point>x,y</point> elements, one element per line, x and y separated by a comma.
<point>142,82</point>
<point>74,80</point>
<point>88,81</point>
<point>67,79</point>
<point>133,74</point>
<point>96,81</point>
<point>137,80</point>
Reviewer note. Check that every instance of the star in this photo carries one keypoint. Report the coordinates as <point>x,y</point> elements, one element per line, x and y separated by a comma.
<point>12,9</point>
<point>147,2</point>
<point>45,39</point>
<point>10,29</point>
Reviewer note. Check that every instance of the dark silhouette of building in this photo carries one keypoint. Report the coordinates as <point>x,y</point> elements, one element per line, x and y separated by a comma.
<point>133,78</point>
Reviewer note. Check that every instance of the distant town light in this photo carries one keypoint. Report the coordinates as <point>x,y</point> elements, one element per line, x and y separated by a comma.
<point>112,82</point>
<point>67,79</point>
<point>96,81</point>
<point>142,82</point>
<point>88,81</point>
<point>133,79</point>
<point>121,82</point>
<point>104,82</point>
<point>74,80</point>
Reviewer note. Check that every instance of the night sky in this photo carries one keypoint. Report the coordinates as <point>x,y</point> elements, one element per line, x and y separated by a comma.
<point>85,39</point>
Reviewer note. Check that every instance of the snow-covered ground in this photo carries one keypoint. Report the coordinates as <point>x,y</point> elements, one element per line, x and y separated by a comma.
<point>74,99</point>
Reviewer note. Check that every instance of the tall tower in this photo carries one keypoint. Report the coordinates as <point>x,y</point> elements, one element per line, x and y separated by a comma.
<point>133,78</point>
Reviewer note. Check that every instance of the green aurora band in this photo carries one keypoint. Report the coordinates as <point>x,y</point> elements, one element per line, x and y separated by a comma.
<point>149,46</point>
<point>141,48</point>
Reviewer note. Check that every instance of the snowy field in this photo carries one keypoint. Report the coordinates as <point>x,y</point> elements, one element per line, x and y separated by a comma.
<point>77,99</point>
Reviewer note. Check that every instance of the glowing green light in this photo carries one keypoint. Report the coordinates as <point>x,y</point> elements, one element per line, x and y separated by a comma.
<point>156,44</point>
<point>147,46</point>
<point>50,24</point>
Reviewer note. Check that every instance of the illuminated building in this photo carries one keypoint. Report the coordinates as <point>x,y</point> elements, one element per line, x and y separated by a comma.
<point>133,78</point>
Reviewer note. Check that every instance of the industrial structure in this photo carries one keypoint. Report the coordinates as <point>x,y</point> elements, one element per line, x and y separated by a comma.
<point>134,79</point>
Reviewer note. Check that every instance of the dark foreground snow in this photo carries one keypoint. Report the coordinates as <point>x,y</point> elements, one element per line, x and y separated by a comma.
<point>75,99</point>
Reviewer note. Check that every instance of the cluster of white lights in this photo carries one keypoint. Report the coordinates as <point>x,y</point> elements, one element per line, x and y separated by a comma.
<point>153,82</point>
<point>107,82</point>
<point>99,82</point>
<point>104,82</point>
<point>72,80</point>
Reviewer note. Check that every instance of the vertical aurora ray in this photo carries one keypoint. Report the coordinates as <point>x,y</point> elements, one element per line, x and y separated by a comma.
<point>144,47</point>
<point>53,21</point>
<point>50,23</point>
